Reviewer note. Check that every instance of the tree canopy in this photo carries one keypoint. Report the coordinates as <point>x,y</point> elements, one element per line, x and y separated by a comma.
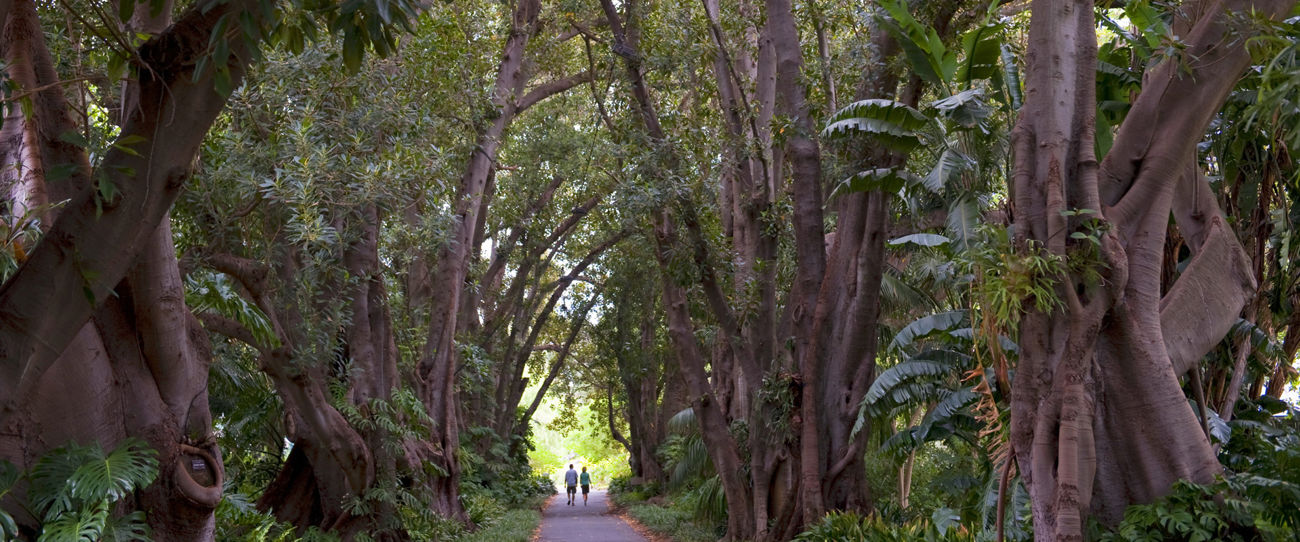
<point>304,270</point>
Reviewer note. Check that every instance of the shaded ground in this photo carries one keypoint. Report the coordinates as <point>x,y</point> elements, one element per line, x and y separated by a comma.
<point>591,523</point>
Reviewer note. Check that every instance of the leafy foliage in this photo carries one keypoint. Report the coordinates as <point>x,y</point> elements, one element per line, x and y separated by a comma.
<point>73,489</point>
<point>844,526</point>
<point>892,124</point>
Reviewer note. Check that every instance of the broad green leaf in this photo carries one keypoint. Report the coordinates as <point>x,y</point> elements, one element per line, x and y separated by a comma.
<point>944,410</point>
<point>887,180</point>
<point>921,239</point>
<point>925,326</point>
<point>966,108</point>
<point>945,518</point>
<point>891,123</point>
<point>963,218</point>
<point>981,48</point>
<point>1011,78</point>
<point>921,45</point>
<point>896,375</point>
<point>75,138</point>
<point>131,466</point>
<point>951,165</point>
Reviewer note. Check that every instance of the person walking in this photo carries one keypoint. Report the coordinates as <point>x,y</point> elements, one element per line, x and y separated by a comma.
<point>585,480</point>
<point>571,482</point>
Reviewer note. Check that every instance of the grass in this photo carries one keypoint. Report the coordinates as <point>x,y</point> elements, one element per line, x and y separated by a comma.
<point>668,521</point>
<point>513,526</point>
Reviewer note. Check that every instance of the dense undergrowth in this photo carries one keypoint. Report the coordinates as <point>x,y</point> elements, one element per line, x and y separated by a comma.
<point>1256,499</point>
<point>74,491</point>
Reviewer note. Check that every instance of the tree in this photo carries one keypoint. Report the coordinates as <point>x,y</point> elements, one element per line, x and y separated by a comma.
<point>96,310</point>
<point>1098,417</point>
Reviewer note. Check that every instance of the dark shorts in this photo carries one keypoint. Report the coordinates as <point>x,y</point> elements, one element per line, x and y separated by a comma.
<point>573,489</point>
<point>586,488</point>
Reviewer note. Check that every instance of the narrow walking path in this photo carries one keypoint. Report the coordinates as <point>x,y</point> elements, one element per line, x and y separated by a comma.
<point>591,523</point>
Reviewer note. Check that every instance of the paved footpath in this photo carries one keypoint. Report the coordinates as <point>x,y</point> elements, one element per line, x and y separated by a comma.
<point>591,523</point>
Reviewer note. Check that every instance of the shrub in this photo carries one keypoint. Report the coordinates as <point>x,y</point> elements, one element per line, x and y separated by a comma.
<point>513,526</point>
<point>850,527</point>
<point>1198,513</point>
<point>672,522</point>
<point>74,489</point>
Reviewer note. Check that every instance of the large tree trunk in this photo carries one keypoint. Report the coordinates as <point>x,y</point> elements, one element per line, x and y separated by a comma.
<point>331,462</point>
<point>95,240</point>
<point>128,350</point>
<point>1099,420</point>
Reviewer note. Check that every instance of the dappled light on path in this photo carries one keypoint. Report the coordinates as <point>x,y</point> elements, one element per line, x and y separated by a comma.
<point>593,522</point>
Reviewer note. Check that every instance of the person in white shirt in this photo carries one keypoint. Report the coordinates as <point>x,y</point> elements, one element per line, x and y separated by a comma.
<point>571,481</point>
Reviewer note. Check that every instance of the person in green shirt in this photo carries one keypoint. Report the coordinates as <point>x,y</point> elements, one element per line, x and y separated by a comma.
<point>585,480</point>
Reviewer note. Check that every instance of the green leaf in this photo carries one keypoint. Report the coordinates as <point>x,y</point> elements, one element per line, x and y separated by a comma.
<point>84,525</point>
<point>981,48</point>
<point>117,66</point>
<point>951,165</point>
<point>131,466</point>
<point>353,50</point>
<point>75,138</point>
<point>893,124</point>
<point>921,239</point>
<point>945,518</point>
<point>925,326</point>
<point>887,180</point>
<point>921,45</point>
<point>125,8</point>
<point>683,423</point>
<point>1011,78</point>
<point>206,291</point>
<point>59,172</point>
<point>966,108</point>
<point>963,218</point>
<point>947,408</point>
<point>221,80</point>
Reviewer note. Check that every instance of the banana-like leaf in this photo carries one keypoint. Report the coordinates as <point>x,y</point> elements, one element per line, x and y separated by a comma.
<point>921,45</point>
<point>921,239</point>
<point>683,423</point>
<point>927,325</point>
<point>966,108</point>
<point>949,407</point>
<point>963,217</point>
<point>887,180</point>
<point>967,334</point>
<point>898,374</point>
<point>951,164</point>
<point>981,48</point>
<point>893,124</point>
<point>1011,78</point>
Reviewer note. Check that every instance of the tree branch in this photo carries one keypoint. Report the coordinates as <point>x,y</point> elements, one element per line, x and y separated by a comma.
<point>551,88</point>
